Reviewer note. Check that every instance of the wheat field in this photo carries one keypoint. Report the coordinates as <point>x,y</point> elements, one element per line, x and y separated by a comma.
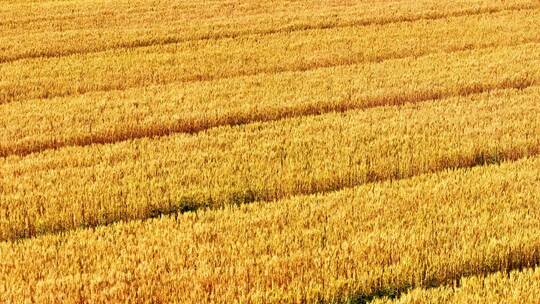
<point>291,151</point>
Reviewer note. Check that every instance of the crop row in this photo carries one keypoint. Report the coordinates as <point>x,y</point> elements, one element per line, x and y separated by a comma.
<point>53,16</point>
<point>375,239</point>
<point>226,58</point>
<point>109,117</point>
<point>515,287</point>
<point>51,29</point>
<point>99,184</point>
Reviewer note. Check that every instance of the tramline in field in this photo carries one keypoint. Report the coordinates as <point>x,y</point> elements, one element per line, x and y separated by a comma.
<point>291,151</point>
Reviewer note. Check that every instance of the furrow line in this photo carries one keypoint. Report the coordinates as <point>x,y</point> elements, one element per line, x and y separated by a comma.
<point>242,118</point>
<point>262,162</point>
<point>479,160</point>
<point>288,29</point>
<point>276,70</point>
<point>517,286</point>
<point>513,263</point>
<point>370,240</point>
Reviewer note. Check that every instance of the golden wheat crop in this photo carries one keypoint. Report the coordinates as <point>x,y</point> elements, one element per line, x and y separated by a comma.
<point>33,126</point>
<point>140,178</point>
<point>57,29</point>
<point>515,287</point>
<point>291,151</point>
<point>376,238</point>
<point>203,61</point>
